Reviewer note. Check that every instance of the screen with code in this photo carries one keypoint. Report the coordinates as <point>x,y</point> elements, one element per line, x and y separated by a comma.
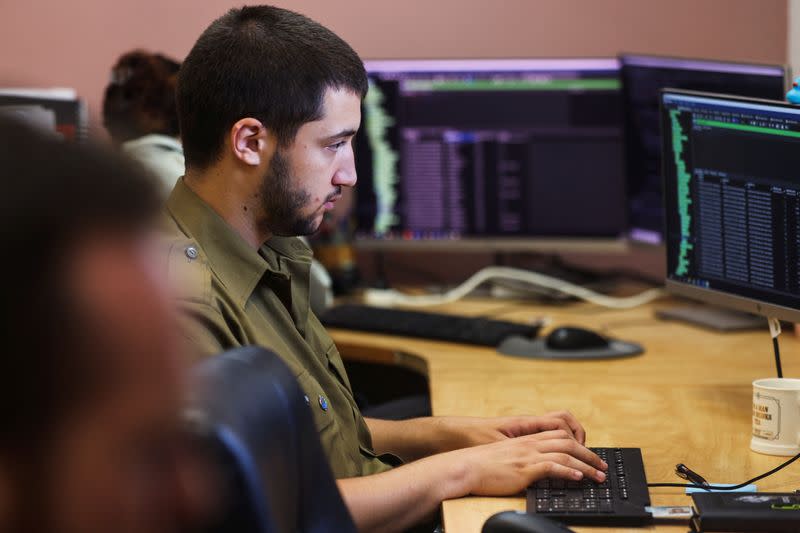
<point>732,195</point>
<point>483,148</point>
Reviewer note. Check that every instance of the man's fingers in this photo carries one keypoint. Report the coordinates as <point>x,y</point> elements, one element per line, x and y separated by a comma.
<point>527,425</point>
<point>572,422</point>
<point>551,434</point>
<point>574,449</point>
<point>552,469</point>
<point>547,423</point>
<point>572,462</point>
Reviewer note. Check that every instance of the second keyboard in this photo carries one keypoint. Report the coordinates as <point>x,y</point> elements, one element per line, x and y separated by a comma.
<point>436,326</point>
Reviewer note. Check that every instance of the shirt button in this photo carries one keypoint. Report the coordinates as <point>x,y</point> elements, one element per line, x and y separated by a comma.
<point>323,403</point>
<point>191,252</point>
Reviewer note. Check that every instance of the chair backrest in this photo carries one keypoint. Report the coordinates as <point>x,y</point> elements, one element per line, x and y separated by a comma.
<point>266,441</point>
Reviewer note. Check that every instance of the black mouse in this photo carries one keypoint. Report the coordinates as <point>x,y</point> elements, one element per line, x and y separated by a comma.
<point>518,522</point>
<point>574,338</point>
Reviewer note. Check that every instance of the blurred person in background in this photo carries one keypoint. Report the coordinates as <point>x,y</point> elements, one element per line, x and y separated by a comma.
<point>139,113</point>
<point>91,378</point>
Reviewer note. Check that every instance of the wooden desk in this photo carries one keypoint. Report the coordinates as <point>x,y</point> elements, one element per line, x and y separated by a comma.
<point>686,400</point>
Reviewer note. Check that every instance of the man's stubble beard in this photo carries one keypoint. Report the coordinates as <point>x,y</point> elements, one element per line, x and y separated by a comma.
<point>283,205</point>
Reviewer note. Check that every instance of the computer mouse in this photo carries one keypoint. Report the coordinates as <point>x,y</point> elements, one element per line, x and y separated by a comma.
<point>569,342</point>
<point>575,338</point>
<point>518,522</point>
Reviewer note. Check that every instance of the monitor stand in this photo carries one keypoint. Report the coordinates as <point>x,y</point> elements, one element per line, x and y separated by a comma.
<point>716,318</point>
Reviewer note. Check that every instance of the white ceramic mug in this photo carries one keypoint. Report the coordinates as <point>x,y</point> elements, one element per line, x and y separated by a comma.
<point>776,416</point>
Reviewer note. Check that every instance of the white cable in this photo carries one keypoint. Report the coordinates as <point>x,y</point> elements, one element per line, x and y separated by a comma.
<point>389,297</point>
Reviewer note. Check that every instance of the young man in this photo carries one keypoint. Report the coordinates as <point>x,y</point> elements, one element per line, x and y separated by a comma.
<point>91,379</point>
<point>269,102</point>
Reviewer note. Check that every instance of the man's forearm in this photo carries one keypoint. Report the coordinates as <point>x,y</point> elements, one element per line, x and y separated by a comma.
<point>395,500</point>
<point>410,439</point>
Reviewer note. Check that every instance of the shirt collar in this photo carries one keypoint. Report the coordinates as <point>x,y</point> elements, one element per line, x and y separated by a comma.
<point>237,265</point>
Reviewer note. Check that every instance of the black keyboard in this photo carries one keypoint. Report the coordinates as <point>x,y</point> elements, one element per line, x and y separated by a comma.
<point>619,501</point>
<point>437,326</point>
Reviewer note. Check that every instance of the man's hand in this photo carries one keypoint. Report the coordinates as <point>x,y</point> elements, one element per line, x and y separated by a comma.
<point>395,500</point>
<point>508,467</point>
<point>465,432</point>
<point>421,437</point>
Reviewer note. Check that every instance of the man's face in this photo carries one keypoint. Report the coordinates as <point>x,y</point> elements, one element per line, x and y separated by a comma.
<point>306,179</point>
<point>115,464</point>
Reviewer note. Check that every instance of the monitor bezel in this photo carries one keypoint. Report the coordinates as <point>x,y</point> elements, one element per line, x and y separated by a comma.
<point>628,58</point>
<point>647,236</point>
<point>478,64</point>
<point>706,295</point>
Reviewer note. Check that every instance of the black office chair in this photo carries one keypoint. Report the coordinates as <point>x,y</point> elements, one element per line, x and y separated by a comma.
<point>256,424</point>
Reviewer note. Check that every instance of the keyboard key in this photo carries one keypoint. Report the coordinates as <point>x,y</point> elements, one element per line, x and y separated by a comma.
<point>605,506</point>
<point>542,505</point>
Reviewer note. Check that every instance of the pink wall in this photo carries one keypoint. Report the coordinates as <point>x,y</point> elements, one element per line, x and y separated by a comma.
<point>74,42</point>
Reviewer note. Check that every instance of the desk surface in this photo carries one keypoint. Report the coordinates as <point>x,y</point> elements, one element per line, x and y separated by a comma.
<point>686,400</point>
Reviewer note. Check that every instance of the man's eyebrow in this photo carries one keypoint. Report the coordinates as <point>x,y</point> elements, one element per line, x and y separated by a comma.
<point>343,133</point>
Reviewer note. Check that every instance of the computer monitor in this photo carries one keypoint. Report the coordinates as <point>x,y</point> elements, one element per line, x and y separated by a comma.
<point>732,197</point>
<point>55,109</point>
<point>499,151</point>
<point>643,77</point>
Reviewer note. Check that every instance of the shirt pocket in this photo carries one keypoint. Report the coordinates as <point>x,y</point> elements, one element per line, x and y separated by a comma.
<point>334,444</point>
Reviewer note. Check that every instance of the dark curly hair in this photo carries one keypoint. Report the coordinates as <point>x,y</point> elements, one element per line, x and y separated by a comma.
<point>140,98</point>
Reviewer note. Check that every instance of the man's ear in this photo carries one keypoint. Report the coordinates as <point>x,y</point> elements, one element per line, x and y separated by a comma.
<point>250,141</point>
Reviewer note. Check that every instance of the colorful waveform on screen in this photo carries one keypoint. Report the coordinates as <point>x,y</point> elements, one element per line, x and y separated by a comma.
<point>684,194</point>
<point>384,160</point>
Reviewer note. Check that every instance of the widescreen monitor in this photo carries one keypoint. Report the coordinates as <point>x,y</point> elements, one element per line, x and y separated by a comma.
<point>643,76</point>
<point>503,151</point>
<point>58,110</point>
<point>732,199</point>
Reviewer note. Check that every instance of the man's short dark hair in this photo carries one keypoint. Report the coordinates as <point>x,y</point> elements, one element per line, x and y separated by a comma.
<point>55,195</point>
<point>263,62</point>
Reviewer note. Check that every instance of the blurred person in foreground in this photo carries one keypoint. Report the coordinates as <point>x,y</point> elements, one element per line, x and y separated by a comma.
<point>139,113</point>
<point>91,377</point>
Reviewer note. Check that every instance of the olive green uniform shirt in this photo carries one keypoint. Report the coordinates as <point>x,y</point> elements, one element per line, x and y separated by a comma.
<point>232,295</point>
